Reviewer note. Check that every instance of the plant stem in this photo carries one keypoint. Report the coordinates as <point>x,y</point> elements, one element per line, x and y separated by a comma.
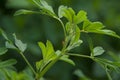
<point>27,63</point>
<point>108,74</point>
<point>79,55</point>
<point>62,26</point>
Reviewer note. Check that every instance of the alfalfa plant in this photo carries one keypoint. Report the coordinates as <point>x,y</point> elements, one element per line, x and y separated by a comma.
<point>72,39</point>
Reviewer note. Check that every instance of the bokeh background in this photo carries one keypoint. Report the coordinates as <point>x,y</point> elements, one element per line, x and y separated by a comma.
<point>33,28</point>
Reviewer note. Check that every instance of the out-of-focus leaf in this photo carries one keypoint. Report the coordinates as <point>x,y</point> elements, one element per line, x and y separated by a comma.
<point>4,34</point>
<point>7,63</point>
<point>98,51</point>
<point>10,45</point>
<point>80,74</point>
<point>23,11</point>
<point>110,64</point>
<point>3,51</point>
<point>21,46</point>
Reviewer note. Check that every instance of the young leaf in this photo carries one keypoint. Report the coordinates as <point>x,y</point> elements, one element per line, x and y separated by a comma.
<point>80,17</point>
<point>98,51</point>
<point>21,46</point>
<point>7,63</point>
<point>3,51</point>
<point>43,48</point>
<point>23,11</point>
<point>47,51</point>
<point>66,59</point>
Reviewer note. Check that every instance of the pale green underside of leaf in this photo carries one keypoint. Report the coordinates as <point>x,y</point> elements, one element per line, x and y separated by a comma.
<point>21,46</point>
<point>98,51</point>
<point>10,45</point>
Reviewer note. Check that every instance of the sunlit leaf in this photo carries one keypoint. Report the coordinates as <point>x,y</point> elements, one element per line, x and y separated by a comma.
<point>80,17</point>
<point>39,64</point>
<point>43,49</point>
<point>47,51</point>
<point>94,26</point>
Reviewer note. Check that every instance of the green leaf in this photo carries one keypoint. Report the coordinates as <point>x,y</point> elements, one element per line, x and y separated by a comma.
<point>45,8</point>
<point>39,64</point>
<point>98,27</point>
<point>66,59</point>
<point>43,48</point>
<point>47,51</point>
<point>86,23</point>
<point>106,32</point>
<point>3,51</point>
<point>110,64</point>
<point>23,11</point>
<point>98,51</point>
<point>94,26</point>
<point>7,63</point>
<point>80,74</point>
<point>66,12</point>
<point>4,34</point>
<point>21,46</point>
<point>10,45</point>
<point>80,17</point>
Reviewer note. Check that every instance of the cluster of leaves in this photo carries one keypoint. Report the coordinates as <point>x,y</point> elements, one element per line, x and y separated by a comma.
<point>72,39</point>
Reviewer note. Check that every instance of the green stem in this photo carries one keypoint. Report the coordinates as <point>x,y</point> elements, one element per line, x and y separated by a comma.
<point>27,63</point>
<point>62,26</point>
<point>79,55</point>
<point>39,75</point>
<point>108,74</point>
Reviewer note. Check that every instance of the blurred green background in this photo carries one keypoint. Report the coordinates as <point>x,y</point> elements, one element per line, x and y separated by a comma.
<point>33,28</point>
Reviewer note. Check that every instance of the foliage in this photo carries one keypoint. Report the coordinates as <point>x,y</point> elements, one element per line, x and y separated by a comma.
<point>72,39</point>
